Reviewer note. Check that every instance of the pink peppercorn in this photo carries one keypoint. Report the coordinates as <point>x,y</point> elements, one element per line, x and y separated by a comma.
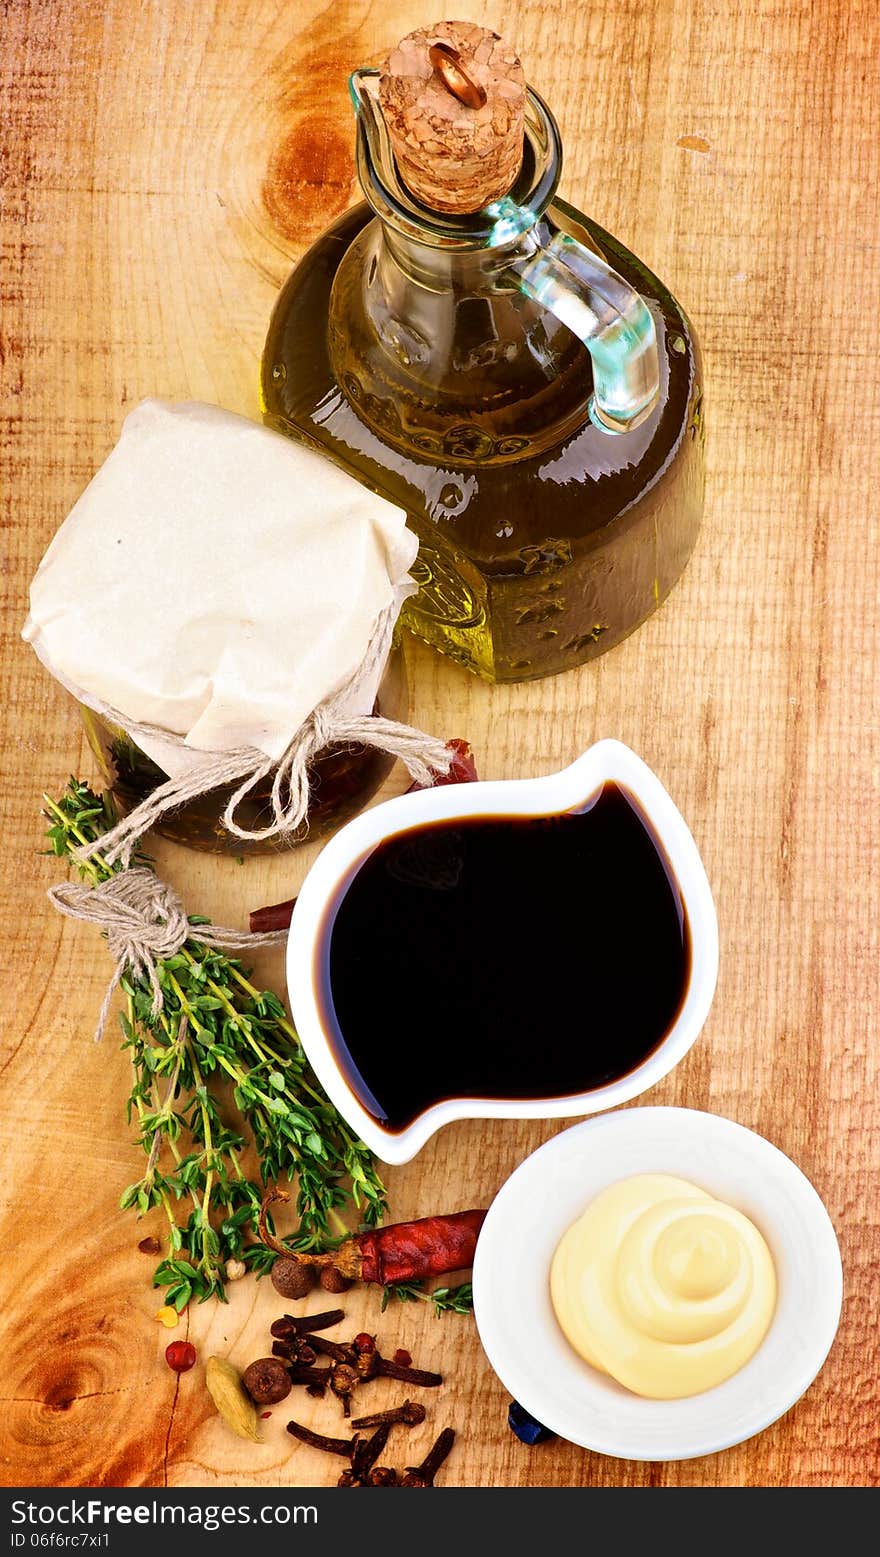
<point>180,1356</point>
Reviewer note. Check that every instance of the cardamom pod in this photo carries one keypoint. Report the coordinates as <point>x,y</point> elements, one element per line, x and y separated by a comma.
<point>228,1394</point>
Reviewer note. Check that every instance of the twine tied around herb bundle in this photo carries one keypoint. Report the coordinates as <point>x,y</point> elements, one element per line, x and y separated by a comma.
<point>145,922</point>
<point>424,756</point>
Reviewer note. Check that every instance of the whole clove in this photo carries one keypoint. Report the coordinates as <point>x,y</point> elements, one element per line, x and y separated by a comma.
<point>423,1475</point>
<point>372,1365</point>
<point>364,1456</point>
<point>296,1350</point>
<point>410,1414</point>
<point>342,1446</point>
<point>382,1476</point>
<point>304,1324</point>
<point>334,1349</point>
<point>301,1374</point>
<point>344,1380</point>
<point>387,1369</point>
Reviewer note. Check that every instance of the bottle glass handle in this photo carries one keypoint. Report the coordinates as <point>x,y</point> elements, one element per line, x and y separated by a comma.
<point>612,320</point>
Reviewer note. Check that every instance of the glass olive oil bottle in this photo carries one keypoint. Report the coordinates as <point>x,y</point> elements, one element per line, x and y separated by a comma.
<point>517,381</point>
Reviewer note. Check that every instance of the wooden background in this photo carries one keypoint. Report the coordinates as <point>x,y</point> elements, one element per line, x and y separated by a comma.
<point>164,164</point>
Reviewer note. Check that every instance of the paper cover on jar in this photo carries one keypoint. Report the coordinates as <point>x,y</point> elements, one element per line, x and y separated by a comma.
<point>217,580</point>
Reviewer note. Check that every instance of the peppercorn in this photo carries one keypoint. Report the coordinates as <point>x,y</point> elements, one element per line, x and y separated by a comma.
<point>332,1280</point>
<point>180,1356</point>
<point>291,1278</point>
<point>267,1381</point>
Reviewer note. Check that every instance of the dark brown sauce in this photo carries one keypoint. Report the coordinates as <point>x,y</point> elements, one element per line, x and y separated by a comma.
<point>503,957</point>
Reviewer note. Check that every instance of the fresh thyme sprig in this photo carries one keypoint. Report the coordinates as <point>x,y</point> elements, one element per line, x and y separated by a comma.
<point>214,1027</point>
<point>446,1300</point>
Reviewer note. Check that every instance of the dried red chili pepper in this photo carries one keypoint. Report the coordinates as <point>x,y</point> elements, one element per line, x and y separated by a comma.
<point>274,916</point>
<point>405,1251</point>
<point>462,768</point>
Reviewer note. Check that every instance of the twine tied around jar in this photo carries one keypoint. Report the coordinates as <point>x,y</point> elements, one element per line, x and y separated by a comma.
<point>329,724</point>
<point>142,917</point>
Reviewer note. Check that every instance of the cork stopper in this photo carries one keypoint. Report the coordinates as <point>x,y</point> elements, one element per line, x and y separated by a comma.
<point>453,97</point>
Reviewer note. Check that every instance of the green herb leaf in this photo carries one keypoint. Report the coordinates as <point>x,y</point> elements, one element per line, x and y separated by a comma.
<point>217,1028</point>
<point>445,1300</point>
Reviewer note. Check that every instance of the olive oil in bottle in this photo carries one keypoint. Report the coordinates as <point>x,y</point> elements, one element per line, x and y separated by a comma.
<point>516,380</point>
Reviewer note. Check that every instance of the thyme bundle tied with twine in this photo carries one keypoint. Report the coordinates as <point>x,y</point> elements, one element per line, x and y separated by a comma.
<point>192,1022</point>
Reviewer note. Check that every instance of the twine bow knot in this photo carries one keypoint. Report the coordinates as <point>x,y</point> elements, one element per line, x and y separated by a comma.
<point>145,922</point>
<point>329,724</point>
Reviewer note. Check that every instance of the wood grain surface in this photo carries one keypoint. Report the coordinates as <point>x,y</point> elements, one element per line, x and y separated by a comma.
<point>163,165</point>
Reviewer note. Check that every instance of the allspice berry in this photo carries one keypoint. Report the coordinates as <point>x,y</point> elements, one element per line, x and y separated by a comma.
<point>267,1381</point>
<point>291,1278</point>
<point>333,1281</point>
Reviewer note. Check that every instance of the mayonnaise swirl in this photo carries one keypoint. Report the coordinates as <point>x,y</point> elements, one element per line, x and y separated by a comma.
<point>664,1288</point>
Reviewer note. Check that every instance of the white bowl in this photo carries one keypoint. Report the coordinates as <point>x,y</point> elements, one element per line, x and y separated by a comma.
<point>526,1346</point>
<point>606,761</point>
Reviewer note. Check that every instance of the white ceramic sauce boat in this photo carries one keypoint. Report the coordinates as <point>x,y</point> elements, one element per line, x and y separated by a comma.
<point>568,790</point>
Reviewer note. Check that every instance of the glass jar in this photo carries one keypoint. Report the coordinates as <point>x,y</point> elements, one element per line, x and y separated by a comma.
<point>341,782</point>
<point>537,413</point>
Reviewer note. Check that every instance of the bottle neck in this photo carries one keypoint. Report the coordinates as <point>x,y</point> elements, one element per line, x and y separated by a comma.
<point>500,223</point>
<point>556,272</point>
<point>443,269</point>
